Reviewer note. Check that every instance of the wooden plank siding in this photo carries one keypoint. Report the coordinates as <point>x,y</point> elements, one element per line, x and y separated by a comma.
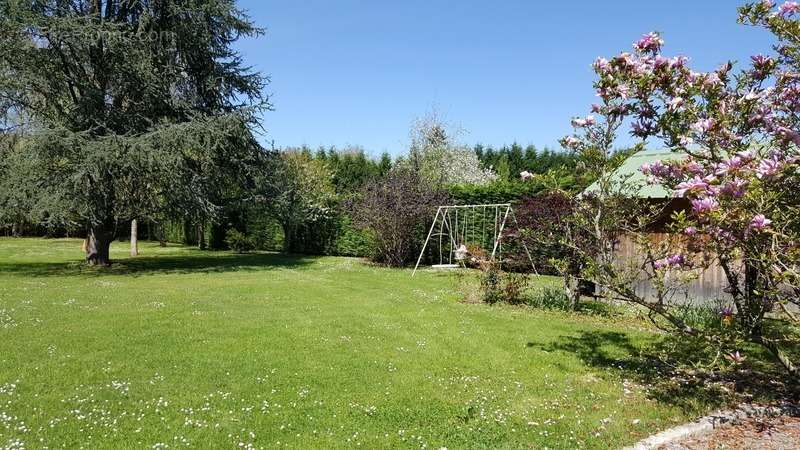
<point>706,289</point>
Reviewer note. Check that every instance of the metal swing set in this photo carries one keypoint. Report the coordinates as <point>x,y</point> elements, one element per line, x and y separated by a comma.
<point>456,226</point>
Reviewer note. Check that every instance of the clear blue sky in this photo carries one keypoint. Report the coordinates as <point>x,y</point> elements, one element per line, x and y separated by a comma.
<point>358,72</point>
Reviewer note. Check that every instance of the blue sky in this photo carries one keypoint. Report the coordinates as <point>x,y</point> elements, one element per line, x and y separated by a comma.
<point>351,72</point>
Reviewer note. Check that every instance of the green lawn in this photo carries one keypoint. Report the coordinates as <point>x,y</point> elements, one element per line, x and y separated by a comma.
<point>181,348</point>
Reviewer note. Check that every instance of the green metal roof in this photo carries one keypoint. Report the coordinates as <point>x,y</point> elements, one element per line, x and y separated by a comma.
<point>630,168</point>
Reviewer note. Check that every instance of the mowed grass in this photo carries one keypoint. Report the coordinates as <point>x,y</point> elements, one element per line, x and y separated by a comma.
<point>180,348</point>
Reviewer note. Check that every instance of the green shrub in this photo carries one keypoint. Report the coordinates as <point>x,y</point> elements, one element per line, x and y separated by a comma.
<point>549,297</point>
<point>239,242</point>
<point>491,280</point>
<point>350,241</point>
<point>498,286</point>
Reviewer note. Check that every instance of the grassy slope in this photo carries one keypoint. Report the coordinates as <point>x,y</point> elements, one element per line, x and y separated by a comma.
<point>185,348</point>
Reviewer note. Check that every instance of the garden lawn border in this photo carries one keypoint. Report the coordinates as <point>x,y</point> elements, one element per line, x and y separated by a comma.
<point>718,419</point>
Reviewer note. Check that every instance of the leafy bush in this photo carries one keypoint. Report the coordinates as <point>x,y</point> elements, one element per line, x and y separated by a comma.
<point>350,241</point>
<point>498,286</point>
<point>396,210</point>
<point>239,242</point>
<point>491,281</point>
<point>549,297</point>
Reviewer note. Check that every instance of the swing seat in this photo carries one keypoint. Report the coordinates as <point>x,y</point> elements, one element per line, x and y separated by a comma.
<point>445,266</point>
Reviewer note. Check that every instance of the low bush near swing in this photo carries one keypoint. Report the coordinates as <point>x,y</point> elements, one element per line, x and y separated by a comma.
<point>499,286</point>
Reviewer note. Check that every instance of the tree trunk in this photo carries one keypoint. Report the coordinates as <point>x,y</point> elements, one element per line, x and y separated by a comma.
<point>134,238</point>
<point>98,245</point>
<point>162,235</point>
<point>573,291</point>
<point>189,233</point>
<point>288,237</point>
<point>201,236</point>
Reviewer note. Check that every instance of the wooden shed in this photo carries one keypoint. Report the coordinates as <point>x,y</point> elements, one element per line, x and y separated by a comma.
<point>709,287</point>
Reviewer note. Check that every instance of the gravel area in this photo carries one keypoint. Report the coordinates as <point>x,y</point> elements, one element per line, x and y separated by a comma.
<point>772,433</point>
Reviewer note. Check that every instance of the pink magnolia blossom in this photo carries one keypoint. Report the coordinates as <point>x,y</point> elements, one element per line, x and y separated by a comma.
<point>752,95</point>
<point>657,170</point>
<point>746,156</point>
<point>703,125</point>
<point>677,62</point>
<point>675,103</point>
<point>788,9</point>
<point>759,222</point>
<point>789,135</point>
<point>711,80</point>
<point>660,62</point>
<point>731,165</point>
<point>690,231</point>
<point>677,260</point>
<point>649,42</point>
<point>579,123</point>
<point>735,188</point>
<point>704,205</point>
<point>670,261</point>
<point>736,357</point>
<point>696,184</point>
<point>768,168</point>
<point>693,167</point>
<point>601,65</point>
<point>760,61</point>
<point>571,142</point>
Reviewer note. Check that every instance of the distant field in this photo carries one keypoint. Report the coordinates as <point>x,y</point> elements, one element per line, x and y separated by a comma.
<point>181,348</point>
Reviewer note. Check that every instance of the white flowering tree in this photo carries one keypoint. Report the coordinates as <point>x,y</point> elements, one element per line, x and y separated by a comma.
<point>437,157</point>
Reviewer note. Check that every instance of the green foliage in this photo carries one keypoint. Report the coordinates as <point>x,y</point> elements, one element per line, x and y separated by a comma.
<point>497,192</point>
<point>505,191</point>
<point>351,241</point>
<point>298,192</point>
<point>510,161</point>
<point>549,297</point>
<point>498,286</point>
<point>239,242</point>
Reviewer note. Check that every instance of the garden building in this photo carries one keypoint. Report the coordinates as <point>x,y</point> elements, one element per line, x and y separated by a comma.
<point>709,287</point>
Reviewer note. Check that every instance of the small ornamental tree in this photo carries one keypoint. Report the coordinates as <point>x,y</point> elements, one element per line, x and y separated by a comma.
<point>439,159</point>
<point>739,132</point>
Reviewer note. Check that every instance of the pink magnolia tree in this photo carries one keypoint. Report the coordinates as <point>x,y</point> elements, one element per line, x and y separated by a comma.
<point>736,136</point>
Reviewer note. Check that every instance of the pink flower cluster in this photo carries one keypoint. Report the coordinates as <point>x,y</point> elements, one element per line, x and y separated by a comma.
<point>583,122</point>
<point>676,260</point>
<point>650,42</point>
<point>759,222</point>
<point>788,9</point>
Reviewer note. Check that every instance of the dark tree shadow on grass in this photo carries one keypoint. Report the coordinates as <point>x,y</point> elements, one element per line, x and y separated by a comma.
<point>670,368</point>
<point>163,264</point>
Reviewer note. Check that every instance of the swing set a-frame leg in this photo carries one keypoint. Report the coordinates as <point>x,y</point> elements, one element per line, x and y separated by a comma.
<point>527,252</point>
<point>425,245</point>
<point>500,233</point>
